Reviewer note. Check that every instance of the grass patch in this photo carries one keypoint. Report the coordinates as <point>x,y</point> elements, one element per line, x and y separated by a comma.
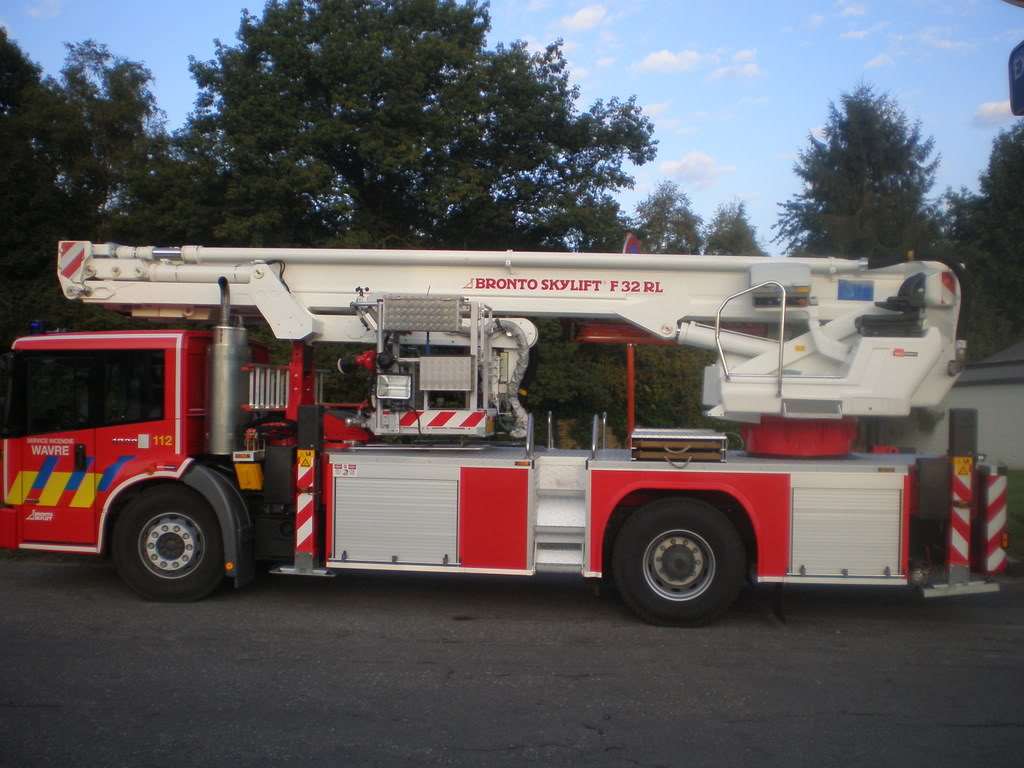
<point>1015,512</point>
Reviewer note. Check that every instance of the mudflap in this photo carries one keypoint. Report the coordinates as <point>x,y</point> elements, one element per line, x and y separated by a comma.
<point>219,490</point>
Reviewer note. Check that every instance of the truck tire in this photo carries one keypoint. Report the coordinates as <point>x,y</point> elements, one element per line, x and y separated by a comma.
<point>678,562</point>
<point>167,545</point>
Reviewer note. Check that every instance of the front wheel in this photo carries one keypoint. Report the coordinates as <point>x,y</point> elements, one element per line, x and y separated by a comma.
<point>678,562</point>
<point>168,546</point>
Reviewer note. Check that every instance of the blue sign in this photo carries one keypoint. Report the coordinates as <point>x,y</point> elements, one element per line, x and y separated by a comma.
<point>1017,80</point>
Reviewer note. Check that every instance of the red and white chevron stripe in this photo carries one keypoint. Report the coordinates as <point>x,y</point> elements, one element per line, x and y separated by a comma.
<point>995,523</point>
<point>448,419</point>
<point>305,478</point>
<point>960,522</point>
<point>71,258</point>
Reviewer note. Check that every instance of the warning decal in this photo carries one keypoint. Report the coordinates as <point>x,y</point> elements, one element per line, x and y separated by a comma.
<point>305,458</point>
<point>962,465</point>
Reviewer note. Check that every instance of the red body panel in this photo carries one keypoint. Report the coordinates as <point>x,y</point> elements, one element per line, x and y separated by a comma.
<point>493,504</point>
<point>8,528</point>
<point>765,497</point>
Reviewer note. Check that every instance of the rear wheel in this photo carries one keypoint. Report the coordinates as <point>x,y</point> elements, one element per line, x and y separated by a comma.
<point>678,562</point>
<point>167,545</point>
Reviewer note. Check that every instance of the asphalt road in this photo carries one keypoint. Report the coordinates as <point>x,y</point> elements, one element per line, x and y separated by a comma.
<point>386,669</point>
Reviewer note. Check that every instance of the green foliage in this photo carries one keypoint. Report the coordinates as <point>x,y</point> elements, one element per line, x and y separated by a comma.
<point>669,387</point>
<point>666,223</point>
<point>574,381</point>
<point>730,232</point>
<point>31,199</point>
<point>373,123</point>
<point>72,145</point>
<point>987,233</point>
<point>112,117</point>
<point>865,184</point>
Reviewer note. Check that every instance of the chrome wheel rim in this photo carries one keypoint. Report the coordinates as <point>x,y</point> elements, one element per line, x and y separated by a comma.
<point>171,545</point>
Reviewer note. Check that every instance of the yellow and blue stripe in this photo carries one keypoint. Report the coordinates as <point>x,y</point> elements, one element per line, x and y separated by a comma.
<point>46,487</point>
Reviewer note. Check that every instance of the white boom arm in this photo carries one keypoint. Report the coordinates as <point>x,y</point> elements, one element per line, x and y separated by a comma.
<point>834,362</point>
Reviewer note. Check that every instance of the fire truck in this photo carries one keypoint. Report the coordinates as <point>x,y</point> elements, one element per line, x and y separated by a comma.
<point>190,459</point>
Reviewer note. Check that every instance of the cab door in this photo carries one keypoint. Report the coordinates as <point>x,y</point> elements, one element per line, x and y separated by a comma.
<point>48,477</point>
<point>84,417</point>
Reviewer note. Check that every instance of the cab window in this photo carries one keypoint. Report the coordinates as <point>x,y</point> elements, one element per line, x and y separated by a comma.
<point>64,391</point>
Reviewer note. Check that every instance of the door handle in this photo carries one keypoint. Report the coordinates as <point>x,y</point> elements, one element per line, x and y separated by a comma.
<point>80,458</point>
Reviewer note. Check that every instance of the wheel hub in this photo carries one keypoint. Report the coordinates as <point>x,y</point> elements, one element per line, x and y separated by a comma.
<point>679,565</point>
<point>678,562</point>
<point>171,545</point>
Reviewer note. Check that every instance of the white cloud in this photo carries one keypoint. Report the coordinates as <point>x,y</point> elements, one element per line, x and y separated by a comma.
<point>852,9</point>
<point>992,113</point>
<point>688,126</point>
<point>666,61</point>
<point>1011,35</point>
<point>675,125</point>
<point>937,37</point>
<point>881,60</point>
<point>735,71</point>
<point>604,63</point>
<point>44,9</point>
<point>860,34</point>
<point>578,73</point>
<point>743,65</point>
<point>586,18</point>
<point>696,168</point>
<point>537,5</point>
<point>815,21</point>
<point>656,110</point>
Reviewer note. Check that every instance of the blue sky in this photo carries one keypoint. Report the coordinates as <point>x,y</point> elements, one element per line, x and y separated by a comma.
<point>734,87</point>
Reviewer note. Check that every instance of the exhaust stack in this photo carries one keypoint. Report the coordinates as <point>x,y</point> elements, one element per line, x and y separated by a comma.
<point>227,384</point>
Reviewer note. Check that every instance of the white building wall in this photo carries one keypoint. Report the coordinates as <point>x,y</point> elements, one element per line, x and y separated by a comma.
<point>1000,424</point>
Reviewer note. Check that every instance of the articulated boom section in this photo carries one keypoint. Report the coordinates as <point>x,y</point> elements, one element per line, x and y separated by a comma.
<point>854,341</point>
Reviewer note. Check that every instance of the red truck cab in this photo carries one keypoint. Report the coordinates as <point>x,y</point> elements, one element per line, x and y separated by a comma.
<point>85,416</point>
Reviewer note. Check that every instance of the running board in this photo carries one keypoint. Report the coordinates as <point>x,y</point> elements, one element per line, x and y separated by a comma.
<point>951,590</point>
<point>291,570</point>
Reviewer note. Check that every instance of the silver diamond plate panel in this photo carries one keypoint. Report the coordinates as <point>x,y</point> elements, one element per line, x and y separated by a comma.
<point>446,374</point>
<point>421,313</point>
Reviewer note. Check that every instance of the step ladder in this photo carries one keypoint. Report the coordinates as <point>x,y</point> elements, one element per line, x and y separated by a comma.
<point>559,535</point>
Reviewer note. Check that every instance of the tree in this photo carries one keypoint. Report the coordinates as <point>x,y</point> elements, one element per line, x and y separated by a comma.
<point>987,232</point>
<point>865,184</point>
<point>118,123</point>
<point>665,222</point>
<point>31,199</point>
<point>388,123</point>
<point>71,145</point>
<point>730,232</point>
